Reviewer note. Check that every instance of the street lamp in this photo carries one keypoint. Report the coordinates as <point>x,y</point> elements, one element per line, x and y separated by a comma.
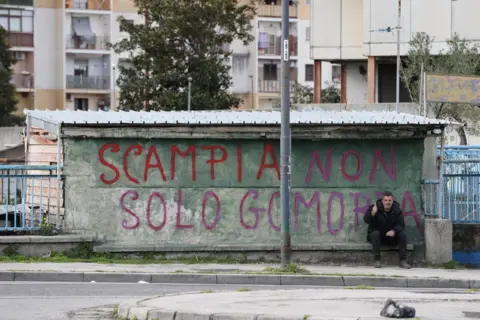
<point>114,99</point>
<point>189,93</point>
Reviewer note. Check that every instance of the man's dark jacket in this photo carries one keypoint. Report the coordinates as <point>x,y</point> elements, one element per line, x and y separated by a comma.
<point>385,221</point>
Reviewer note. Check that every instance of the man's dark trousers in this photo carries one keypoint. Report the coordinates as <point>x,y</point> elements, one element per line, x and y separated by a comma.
<point>377,239</point>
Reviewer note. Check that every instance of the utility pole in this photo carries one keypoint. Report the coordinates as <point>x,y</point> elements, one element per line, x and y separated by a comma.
<point>399,17</point>
<point>285,139</point>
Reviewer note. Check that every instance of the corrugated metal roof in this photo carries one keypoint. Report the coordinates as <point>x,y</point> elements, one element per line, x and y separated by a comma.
<point>318,117</point>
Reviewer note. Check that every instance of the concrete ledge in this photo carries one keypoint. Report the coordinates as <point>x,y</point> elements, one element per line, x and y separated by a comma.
<point>45,239</point>
<point>241,248</point>
<point>247,279</point>
<point>37,246</point>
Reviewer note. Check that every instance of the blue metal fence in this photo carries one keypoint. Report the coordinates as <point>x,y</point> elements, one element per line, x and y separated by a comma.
<point>27,195</point>
<point>461,184</point>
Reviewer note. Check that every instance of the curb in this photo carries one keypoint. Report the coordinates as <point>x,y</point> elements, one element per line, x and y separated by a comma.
<point>245,279</point>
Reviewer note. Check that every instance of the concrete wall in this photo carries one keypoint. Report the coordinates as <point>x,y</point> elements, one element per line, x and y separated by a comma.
<point>138,193</point>
<point>10,137</point>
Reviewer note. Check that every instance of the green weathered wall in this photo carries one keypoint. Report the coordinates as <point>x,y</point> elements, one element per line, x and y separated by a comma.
<point>111,209</point>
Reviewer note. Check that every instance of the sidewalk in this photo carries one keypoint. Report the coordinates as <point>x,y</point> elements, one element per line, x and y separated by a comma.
<point>297,304</point>
<point>257,274</point>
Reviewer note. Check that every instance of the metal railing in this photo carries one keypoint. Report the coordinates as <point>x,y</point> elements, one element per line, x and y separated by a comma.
<point>91,43</point>
<point>23,81</point>
<point>461,184</point>
<point>87,5</point>
<point>270,10</point>
<point>273,85</point>
<point>19,39</point>
<point>26,3</point>
<point>88,82</point>
<point>275,47</point>
<point>28,194</point>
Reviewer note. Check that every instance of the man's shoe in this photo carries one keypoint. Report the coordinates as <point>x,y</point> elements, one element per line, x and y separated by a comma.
<point>377,264</point>
<point>404,264</point>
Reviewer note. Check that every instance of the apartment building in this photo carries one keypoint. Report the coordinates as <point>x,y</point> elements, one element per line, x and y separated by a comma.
<point>256,69</point>
<point>62,53</point>
<point>348,32</point>
<point>64,61</point>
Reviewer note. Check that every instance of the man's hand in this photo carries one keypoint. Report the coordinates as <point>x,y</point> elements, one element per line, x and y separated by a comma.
<point>390,233</point>
<point>374,210</point>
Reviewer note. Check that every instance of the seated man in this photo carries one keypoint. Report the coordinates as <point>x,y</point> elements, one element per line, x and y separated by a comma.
<point>386,226</point>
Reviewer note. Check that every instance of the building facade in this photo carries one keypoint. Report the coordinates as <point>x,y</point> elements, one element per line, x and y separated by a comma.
<point>348,32</point>
<point>62,53</point>
<point>256,69</point>
<point>64,61</point>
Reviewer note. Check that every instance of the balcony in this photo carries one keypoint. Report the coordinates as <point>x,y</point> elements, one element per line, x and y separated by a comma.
<point>270,45</point>
<point>87,43</point>
<point>22,81</point>
<point>88,82</point>
<point>87,4</point>
<point>273,86</point>
<point>275,11</point>
<point>25,3</point>
<point>19,39</point>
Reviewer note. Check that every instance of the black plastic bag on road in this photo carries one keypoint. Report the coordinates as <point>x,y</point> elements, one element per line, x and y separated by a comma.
<point>392,309</point>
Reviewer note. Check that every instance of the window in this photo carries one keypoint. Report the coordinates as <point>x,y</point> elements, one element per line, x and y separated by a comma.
<point>269,72</point>
<point>308,2</point>
<point>17,20</point>
<point>309,72</point>
<point>80,104</point>
<point>307,34</point>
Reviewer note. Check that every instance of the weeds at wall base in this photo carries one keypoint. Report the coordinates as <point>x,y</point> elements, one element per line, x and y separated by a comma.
<point>84,252</point>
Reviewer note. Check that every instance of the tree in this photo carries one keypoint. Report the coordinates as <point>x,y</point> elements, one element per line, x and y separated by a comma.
<point>8,102</point>
<point>460,58</point>
<point>181,39</point>
<point>304,94</point>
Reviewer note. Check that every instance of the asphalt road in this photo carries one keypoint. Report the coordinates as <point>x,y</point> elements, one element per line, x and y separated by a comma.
<point>64,300</point>
<point>79,301</point>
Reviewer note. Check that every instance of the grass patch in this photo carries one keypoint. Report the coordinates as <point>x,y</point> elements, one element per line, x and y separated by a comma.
<point>292,268</point>
<point>472,290</point>
<point>206,291</point>
<point>361,287</point>
<point>115,311</point>
<point>451,265</point>
<point>306,317</point>
<point>243,290</point>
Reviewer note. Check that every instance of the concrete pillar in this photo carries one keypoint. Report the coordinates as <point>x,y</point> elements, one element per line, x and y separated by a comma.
<point>438,240</point>
<point>317,82</point>
<point>371,79</point>
<point>343,84</point>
